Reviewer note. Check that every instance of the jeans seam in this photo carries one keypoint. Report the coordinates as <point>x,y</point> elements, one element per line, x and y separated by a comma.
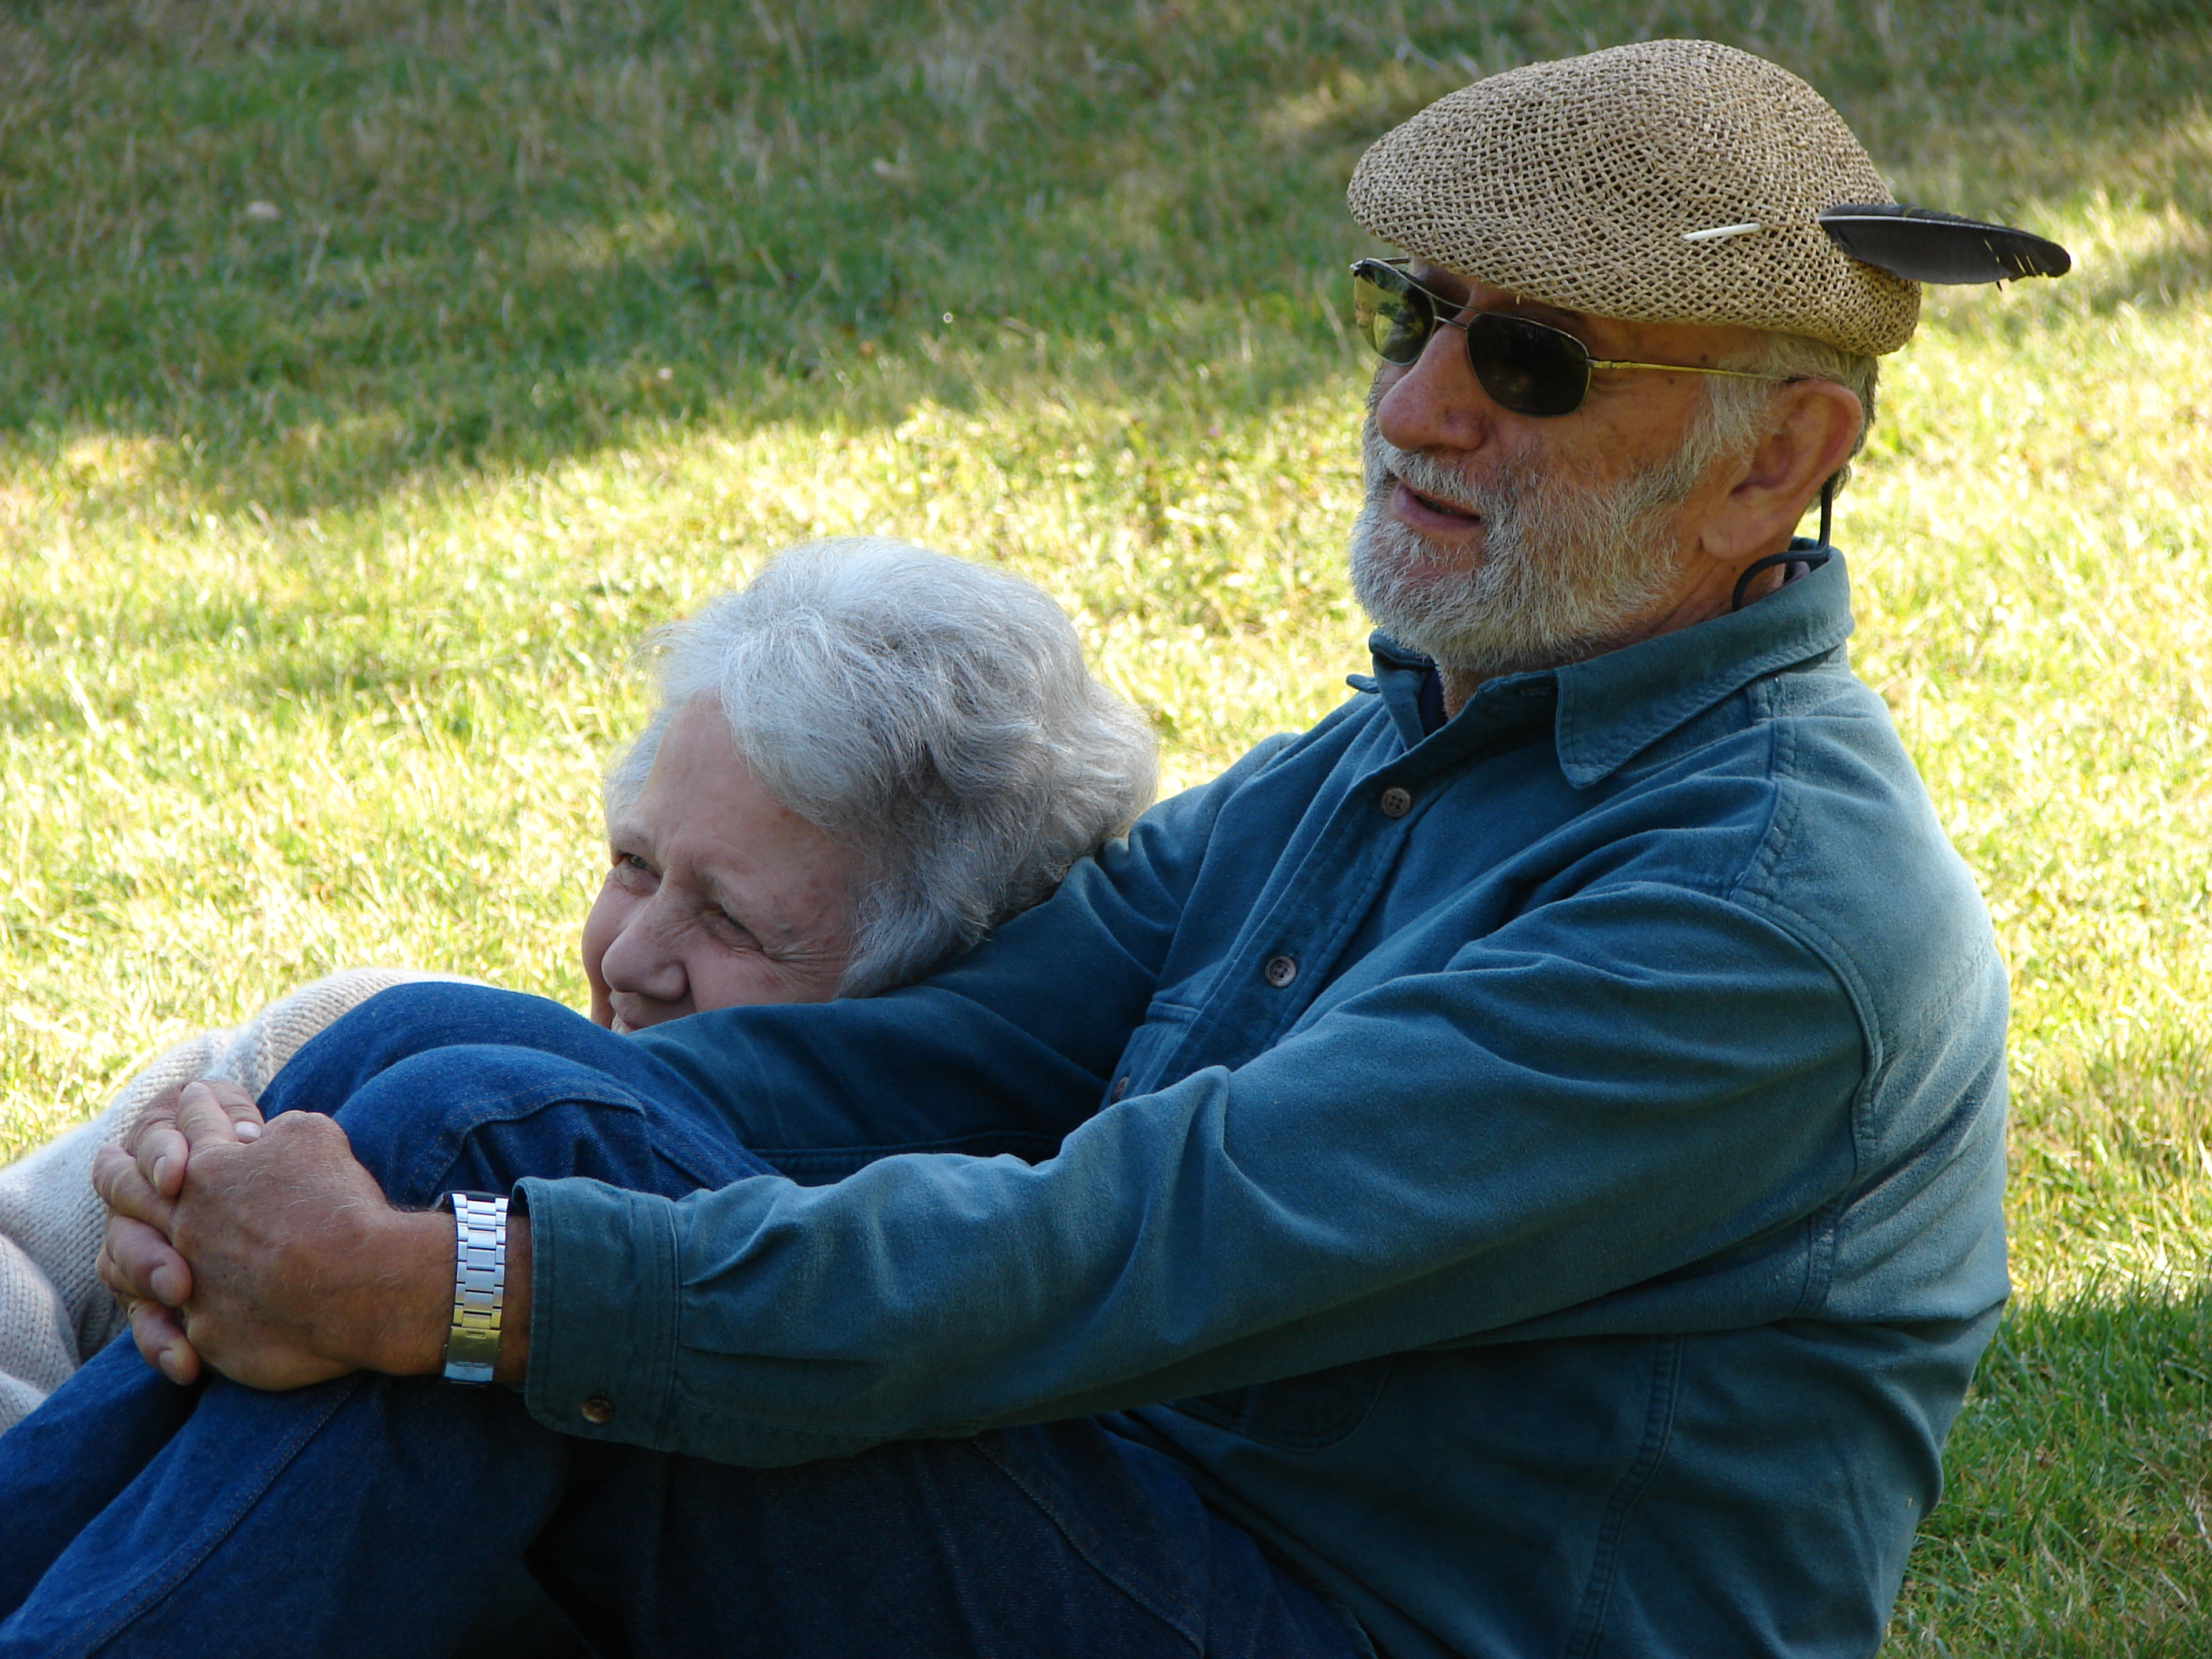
<point>179,1570</point>
<point>1658,1430</point>
<point>1093,1557</point>
<point>446,1148</point>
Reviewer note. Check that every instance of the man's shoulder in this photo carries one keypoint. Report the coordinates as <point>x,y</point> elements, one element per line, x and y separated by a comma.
<point>1839,839</point>
<point>1854,827</point>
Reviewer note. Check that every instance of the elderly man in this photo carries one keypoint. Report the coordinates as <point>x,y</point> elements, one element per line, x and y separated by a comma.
<point>1529,1147</point>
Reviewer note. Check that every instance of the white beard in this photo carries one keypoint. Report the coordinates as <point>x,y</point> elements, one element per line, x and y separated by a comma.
<point>1567,571</point>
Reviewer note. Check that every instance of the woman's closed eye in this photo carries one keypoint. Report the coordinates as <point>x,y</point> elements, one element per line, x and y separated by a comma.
<point>633,871</point>
<point>728,929</point>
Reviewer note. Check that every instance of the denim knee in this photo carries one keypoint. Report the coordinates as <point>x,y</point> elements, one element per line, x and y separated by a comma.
<point>407,1020</point>
<point>484,1117</point>
<point>439,1085</point>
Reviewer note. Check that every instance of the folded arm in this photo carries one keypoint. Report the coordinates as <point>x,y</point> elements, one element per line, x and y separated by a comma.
<point>1609,1089</point>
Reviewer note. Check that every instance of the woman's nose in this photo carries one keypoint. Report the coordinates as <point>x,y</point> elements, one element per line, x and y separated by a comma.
<point>642,958</point>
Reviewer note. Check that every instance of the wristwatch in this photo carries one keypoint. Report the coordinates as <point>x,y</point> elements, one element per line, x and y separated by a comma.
<point>479,1284</point>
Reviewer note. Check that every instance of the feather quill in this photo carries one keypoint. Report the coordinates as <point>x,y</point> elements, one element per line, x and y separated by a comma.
<point>1925,245</point>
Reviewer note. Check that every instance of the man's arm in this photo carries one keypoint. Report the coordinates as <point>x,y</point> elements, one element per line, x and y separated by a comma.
<point>1613,1088</point>
<point>1628,1082</point>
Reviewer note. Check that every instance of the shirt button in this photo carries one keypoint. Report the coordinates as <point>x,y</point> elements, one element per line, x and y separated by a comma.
<point>1280,971</point>
<point>1395,802</point>
<point>597,1409</point>
<point>1121,1085</point>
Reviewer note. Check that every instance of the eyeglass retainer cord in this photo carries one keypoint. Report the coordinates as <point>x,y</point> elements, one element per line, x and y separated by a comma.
<point>1814,557</point>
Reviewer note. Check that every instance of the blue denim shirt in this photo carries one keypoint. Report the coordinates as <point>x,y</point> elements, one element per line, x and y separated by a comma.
<point>1542,1176</point>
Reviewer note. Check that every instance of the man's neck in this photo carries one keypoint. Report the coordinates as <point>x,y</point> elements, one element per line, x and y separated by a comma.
<point>1459,685</point>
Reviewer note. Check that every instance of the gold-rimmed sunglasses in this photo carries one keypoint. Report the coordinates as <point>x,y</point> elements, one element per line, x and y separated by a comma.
<point>1526,366</point>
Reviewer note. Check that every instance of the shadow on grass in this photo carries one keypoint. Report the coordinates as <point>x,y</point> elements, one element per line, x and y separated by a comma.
<point>2075,1521</point>
<point>316,248</point>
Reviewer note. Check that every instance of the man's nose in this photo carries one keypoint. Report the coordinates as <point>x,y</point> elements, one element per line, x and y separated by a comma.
<point>1435,404</point>
<point>643,960</point>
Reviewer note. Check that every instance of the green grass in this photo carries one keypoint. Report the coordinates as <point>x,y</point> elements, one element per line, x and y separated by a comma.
<point>325,538</point>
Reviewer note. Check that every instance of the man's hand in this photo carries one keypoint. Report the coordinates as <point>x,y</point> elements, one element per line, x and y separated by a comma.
<point>267,1251</point>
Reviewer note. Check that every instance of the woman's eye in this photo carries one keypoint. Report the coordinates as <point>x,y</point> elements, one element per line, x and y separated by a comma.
<point>730,927</point>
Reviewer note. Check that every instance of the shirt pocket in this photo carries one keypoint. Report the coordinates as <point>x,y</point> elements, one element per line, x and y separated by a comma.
<point>1297,1414</point>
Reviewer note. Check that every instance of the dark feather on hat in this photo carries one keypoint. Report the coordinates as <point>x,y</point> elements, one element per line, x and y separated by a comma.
<point>1924,246</point>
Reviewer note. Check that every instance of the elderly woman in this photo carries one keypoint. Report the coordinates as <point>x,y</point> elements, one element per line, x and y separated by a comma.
<point>861,762</point>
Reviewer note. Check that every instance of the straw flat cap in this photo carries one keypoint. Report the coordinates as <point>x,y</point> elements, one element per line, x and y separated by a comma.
<point>1670,181</point>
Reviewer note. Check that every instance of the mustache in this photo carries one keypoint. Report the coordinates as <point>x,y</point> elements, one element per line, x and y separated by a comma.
<point>1439,482</point>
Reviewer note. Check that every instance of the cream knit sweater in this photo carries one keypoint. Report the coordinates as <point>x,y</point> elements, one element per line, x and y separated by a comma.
<point>54,1311</point>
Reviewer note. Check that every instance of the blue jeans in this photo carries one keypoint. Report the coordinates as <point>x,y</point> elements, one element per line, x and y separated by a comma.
<point>374,1514</point>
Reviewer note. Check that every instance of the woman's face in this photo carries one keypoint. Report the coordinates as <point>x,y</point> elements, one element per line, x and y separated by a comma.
<point>716,896</point>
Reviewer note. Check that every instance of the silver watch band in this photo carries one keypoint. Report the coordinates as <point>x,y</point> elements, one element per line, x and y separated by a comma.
<point>479,1286</point>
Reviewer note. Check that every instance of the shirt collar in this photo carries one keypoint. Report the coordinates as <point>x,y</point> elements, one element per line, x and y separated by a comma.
<point>1611,708</point>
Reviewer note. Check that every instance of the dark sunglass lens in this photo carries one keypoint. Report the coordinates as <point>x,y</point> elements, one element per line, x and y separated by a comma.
<point>1391,316</point>
<point>1529,368</point>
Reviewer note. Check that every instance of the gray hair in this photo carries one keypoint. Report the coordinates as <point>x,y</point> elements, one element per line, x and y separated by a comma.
<point>930,716</point>
<point>1735,410</point>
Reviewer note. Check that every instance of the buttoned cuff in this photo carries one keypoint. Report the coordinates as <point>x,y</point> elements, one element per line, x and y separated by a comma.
<point>602,1300</point>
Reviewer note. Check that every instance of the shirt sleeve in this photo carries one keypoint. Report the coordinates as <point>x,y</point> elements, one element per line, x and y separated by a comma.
<point>1631,1081</point>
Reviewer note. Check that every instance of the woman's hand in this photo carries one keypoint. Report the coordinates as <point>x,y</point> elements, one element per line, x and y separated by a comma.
<point>267,1251</point>
<point>138,1183</point>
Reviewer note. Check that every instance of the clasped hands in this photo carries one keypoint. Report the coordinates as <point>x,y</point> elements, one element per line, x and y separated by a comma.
<point>265,1250</point>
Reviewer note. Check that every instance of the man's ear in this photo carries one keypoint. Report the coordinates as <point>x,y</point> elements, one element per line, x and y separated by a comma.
<point>1809,436</point>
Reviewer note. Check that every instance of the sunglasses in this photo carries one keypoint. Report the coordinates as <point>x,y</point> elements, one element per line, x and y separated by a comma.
<point>1524,366</point>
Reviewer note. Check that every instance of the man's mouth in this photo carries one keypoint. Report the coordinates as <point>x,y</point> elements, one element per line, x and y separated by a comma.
<point>1426,506</point>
